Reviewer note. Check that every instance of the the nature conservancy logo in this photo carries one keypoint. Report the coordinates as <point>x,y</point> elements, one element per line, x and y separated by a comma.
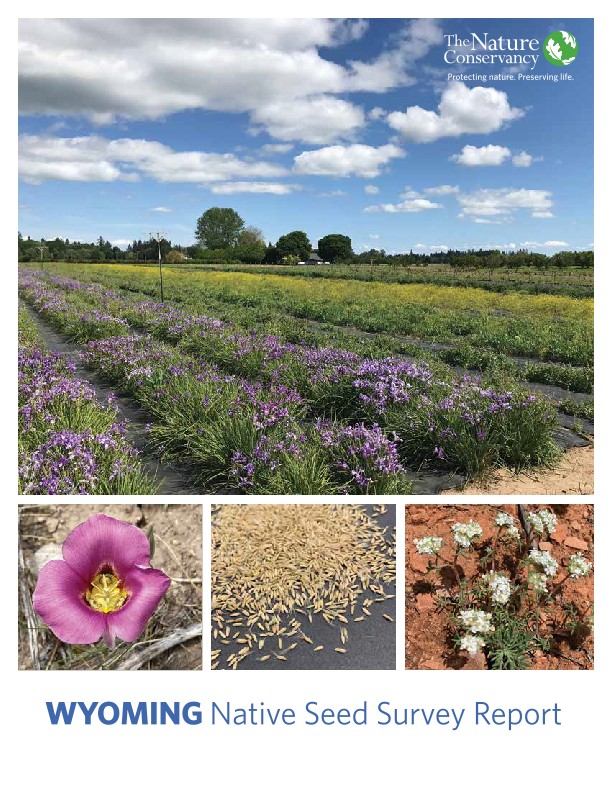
<point>560,48</point>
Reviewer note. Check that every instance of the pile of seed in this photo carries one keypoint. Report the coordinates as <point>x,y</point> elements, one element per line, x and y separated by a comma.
<point>275,567</point>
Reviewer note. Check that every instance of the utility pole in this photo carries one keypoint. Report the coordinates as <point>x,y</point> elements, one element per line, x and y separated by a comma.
<point>157,237</point>
<point>41,249</point>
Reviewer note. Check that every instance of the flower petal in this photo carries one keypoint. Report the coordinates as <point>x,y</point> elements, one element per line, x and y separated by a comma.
<point>146,588</point>
<point>102,540</point>
<point>58,600</point>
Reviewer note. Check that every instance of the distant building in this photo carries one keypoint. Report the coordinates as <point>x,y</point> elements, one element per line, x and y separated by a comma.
<point>313,258</point>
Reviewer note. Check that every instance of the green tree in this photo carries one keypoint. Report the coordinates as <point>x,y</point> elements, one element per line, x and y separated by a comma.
<point>250,253</point>
<point>251,235</point>
<point>272,255</point>
<point>295,243</point>
<point>335,247</point>
<point>174,257</point>
<point>219,228</point>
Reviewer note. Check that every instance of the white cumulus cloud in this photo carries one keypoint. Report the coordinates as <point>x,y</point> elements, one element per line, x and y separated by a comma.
<point>356,159</point>
<point>442,189</point>
<point>277,148</point>
<point>410,201</point>
<point>392,67</point>
<point>108,69</point>
<point>551,243</point>
<point>501,204</point>
<point>522,160</point>
<point>321,119</point>
<point>421,248</point>
<point>266,188</point>
<point>461,110</point>
<point>481,155</point>
<point>95,158</point>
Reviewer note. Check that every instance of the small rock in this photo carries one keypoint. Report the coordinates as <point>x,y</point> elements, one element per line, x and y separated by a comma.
<point>47,552</point>
<point>559,535</point>
<point>477,662</point>
<point>425,603</point>
<point>420,563</point>
<point>575,543</point>
<point>547,546</point>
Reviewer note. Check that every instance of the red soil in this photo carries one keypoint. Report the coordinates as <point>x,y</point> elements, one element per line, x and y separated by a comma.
<point>428,634</point>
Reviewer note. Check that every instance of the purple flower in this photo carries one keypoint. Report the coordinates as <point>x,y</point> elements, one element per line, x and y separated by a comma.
<point>103,587</point>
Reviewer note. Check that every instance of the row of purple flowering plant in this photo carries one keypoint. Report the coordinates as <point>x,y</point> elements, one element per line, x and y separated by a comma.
<point>69,443</point>
<point>446,422</point>
<point>240,435</point>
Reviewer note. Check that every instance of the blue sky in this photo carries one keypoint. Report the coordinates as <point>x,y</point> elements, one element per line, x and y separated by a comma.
<point>328,126</point>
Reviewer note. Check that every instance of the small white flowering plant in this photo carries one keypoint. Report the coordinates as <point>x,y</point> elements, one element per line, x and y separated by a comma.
<point>498,610</point>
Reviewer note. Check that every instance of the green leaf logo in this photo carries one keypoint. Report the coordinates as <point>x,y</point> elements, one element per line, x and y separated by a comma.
<point>560,48</point>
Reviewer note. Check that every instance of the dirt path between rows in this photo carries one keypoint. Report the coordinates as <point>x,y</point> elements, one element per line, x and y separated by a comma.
<point>574,475</point>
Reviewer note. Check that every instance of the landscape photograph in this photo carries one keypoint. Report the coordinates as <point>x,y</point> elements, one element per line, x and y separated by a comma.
<point>305,256</point>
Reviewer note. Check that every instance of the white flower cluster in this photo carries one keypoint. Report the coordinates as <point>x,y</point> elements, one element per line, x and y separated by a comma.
<point>428,545</point>
<point>465,533</point>
<point>507,520</point>
<point>578,566</point>
<point>544,559</point>
<point>542,521</point>
<point>472,643</point>
<point>499,587</point>
<point>476,621</point>
<point>538,582</point>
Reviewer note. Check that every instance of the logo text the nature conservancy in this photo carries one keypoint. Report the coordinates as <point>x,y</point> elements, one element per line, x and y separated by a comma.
<point>501,51</point>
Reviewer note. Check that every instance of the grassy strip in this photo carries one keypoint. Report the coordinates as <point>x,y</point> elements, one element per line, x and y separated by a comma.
<point>552,329</point>
<point>498,368</point>
<point>68,442</point>
<point>524,282</point>
<point>585,410</point>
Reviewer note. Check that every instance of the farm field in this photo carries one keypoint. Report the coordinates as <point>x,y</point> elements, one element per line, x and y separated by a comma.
<point>575,282</point>
<point>271,384</point>
<point>549,341</point>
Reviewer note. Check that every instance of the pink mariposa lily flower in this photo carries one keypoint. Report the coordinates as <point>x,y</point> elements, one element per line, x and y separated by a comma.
<point>103,587</point>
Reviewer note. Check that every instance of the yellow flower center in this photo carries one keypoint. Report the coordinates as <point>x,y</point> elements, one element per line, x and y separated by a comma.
<point>106,594</point>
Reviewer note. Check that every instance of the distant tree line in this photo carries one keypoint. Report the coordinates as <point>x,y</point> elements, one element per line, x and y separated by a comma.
<point>101,250</point>
<point>478,259</point>
<point>223,237</point>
